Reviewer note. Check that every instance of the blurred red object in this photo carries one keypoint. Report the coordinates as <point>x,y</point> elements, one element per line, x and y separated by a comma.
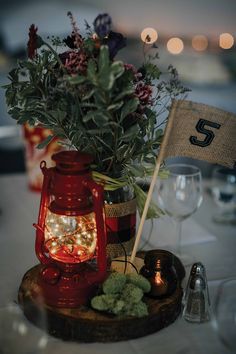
<point>33,156</point>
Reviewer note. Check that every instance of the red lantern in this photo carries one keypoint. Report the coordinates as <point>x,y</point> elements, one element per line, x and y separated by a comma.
<point>70,236</point>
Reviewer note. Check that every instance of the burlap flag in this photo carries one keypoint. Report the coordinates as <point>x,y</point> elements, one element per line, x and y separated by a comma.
<point>201,132</point>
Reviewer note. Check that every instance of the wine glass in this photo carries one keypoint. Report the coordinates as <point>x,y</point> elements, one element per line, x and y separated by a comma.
<point>224,194</point>
<point>180,195</point>
<point>225,313</point>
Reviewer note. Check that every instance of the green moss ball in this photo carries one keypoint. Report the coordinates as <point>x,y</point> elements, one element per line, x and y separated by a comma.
<point>140,281</point>
<point>137,310</point>
<point>114,283</point>
<point>103,302</point>
<point>131,293</point>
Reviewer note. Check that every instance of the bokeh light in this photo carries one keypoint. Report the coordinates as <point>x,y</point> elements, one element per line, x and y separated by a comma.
<point>199,43</point>
<point>226,41</point>
<point>149,35</point>
<point>175,45</point>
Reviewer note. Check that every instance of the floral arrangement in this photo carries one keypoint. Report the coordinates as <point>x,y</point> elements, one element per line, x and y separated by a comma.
<point>93,102</point>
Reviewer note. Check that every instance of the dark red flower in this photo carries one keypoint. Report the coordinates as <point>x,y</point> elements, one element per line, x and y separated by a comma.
<point>144,93</point>
<point>74,61</point>
<point>32,42</point>
<point>131,67</point>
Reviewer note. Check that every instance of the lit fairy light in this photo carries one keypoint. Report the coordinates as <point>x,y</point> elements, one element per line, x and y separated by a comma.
<point>226,41</point>
<point>149,35</point>
<point>199,43</point>
<point>70,238</point>
<point>175,45</point>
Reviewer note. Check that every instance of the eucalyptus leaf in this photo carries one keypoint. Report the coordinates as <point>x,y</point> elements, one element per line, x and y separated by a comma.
<point>89,116</point>
<point>115,106</point>
<point>121,150</point>
<point>103,61</point>
<point>92,71</point>
<point>129,107</point>
<point>130,133</point>
<point>117,68</point>
<point>150,159</point>
<point>59,115</point>
<point>23,119</point>
<point>106,80</point>
<point>106,75</point>
<point>137,170</point>
<point>88,95</point>
<point>98,131</point>
<point>100,97</point>
<point>13,74</point>
<point>100,118</point>
<point>124,93</point>
<point>77,80</point>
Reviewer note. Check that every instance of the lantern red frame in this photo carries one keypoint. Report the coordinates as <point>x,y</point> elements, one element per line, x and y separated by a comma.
<point>71,185</point>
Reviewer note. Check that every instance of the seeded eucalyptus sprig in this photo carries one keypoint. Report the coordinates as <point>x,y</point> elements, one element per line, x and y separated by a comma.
<point>91,101</point>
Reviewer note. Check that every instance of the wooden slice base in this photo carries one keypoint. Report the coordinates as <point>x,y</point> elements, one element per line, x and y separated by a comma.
<point>86,325</point>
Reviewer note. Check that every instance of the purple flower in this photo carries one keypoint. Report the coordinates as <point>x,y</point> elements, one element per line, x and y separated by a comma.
<point>102,25</point>
<point>115,42</point>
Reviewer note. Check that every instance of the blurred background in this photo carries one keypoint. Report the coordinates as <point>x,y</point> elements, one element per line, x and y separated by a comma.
<point>196,37</point>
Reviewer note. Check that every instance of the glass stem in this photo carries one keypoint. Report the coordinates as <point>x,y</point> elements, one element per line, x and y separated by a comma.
<point>178,236</point>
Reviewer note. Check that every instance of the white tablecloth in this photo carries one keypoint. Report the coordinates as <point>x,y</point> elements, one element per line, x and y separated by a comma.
<point>212,244</point>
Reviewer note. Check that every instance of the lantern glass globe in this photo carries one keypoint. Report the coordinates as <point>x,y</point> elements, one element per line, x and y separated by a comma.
<point>70,239</point>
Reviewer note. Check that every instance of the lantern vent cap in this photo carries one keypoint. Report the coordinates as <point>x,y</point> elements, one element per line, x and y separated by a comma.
<point>72,160</point>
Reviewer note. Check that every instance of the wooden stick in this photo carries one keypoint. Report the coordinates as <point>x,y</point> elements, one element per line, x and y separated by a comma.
<point>154,177</point>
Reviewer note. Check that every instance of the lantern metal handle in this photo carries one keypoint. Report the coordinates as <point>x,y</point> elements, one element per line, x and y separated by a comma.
<point>39,243</point>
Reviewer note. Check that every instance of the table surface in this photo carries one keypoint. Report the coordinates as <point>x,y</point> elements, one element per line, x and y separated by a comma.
<point>19,209</point>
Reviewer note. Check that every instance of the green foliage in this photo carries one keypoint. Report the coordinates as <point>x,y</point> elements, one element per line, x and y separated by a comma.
<point>94,103</point>
<point>153,211</point>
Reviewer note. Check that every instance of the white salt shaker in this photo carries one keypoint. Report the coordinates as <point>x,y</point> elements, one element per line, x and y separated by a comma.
<point>196,299</point>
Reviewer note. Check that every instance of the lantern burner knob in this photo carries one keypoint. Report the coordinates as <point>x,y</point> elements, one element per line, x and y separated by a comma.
<point>51,274</point>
